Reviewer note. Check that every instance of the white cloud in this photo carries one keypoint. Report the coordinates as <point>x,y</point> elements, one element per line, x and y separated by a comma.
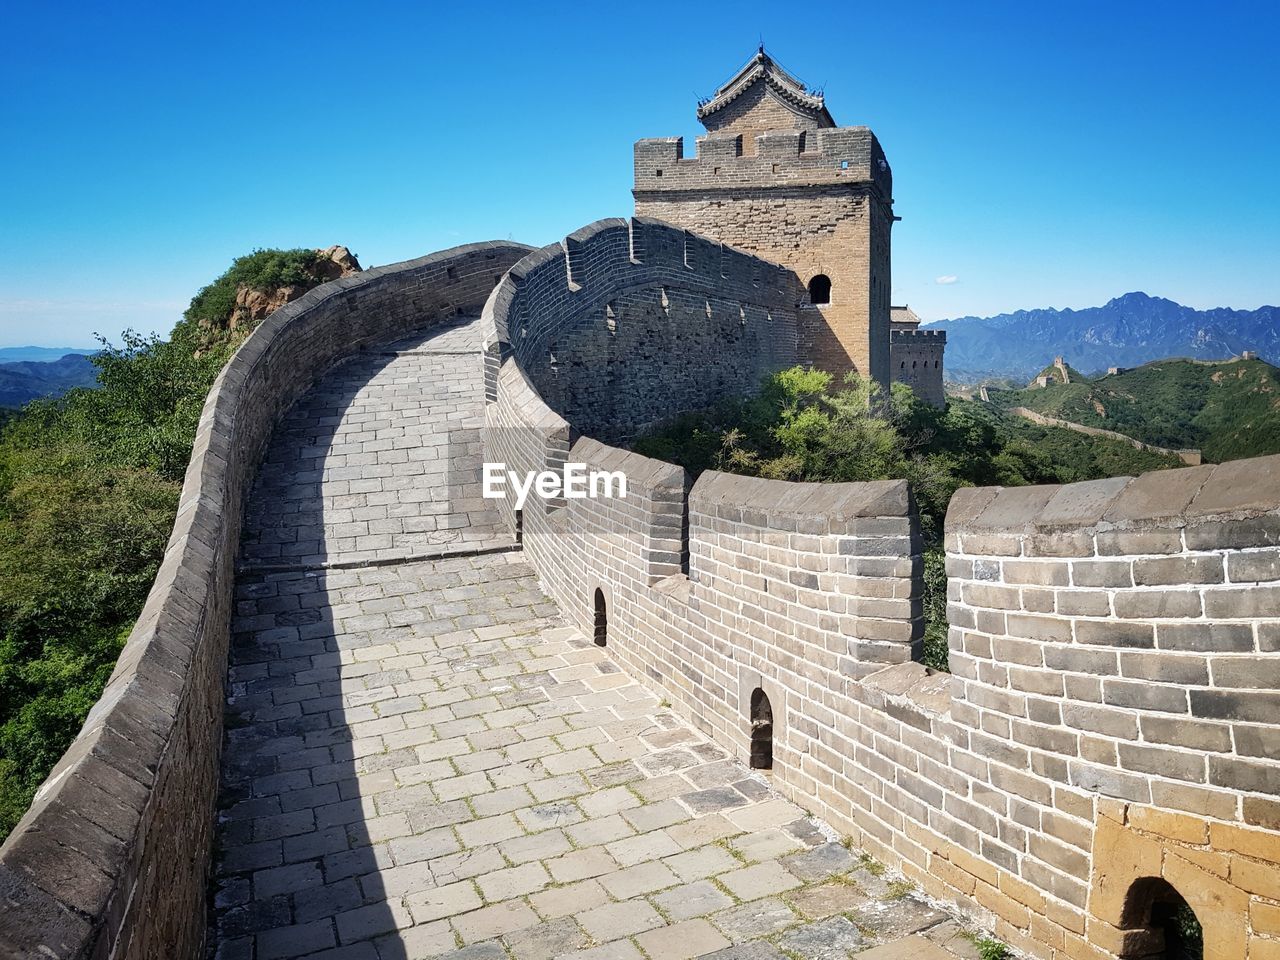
<point>945,281</point>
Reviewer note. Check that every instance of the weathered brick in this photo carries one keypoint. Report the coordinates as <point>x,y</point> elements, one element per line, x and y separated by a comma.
<point>1160,571</point>
<point>1112,633</point>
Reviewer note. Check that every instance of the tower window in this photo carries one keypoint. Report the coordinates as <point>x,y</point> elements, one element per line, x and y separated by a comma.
<point>820,289</point>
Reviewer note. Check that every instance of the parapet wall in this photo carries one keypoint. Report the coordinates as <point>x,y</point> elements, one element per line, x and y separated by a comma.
<point>628,323</point>
<point>782,159</point>
<point>112,859</point>
<point>1109,734</point>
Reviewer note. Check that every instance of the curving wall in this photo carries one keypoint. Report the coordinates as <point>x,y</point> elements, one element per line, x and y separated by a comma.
<point>627,323</point>
<point>1112,729</point>
<point>112,859</point>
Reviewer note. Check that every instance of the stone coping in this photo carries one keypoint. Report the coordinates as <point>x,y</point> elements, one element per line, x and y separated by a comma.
<point>1246,492</point>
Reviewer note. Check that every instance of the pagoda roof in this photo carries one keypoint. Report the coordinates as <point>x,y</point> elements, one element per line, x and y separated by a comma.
<point>763,68</point>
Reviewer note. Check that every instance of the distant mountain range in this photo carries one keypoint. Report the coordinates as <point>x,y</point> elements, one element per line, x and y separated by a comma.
<point>41,354</point>
<point>1126,332</point>
<point>25,380</point>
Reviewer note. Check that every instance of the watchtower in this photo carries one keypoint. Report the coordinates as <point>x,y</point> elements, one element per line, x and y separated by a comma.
<point>775,176</point>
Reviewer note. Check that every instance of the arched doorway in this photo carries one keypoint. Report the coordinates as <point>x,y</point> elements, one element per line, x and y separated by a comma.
<point>761,731</point>
<point>602,619</point>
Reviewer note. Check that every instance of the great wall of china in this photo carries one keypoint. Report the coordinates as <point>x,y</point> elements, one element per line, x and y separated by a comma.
<point>425,721</point>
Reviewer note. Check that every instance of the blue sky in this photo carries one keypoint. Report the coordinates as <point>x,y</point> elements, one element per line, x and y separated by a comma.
<point>1042,156</point>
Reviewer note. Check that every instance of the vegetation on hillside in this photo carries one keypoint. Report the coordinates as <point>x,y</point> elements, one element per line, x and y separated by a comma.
<point>802,426</point>
<point>260,270</point>
<point>89,486</point>
<point>1227,410</point>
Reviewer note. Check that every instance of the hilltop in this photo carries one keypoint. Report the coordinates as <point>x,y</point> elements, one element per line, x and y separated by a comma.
<point>1228,410</point>
<point>1127,331</point>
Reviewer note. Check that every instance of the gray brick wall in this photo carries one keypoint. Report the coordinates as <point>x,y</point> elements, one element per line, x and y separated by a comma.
<point>112,859</point>
<point>1113,642</point>
<point>627,323</point>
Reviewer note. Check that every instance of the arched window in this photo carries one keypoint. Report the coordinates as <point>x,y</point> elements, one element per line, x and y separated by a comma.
<point>937,364</point>
<point>903,366</point>
<point>602,620</point>
<point>820,289</point>
<point>913,364</point>
<point>761,731</point>
<point>1171,930</point>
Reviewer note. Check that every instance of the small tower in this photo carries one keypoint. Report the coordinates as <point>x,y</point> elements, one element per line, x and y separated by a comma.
<point>776,177</point>
<point>915,356</point>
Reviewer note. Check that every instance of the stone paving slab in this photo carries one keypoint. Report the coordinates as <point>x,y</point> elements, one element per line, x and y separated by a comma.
<point>422,761</point>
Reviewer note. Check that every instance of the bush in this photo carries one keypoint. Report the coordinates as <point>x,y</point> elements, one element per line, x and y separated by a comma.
<point>260,270</point>
<point>89,486</point>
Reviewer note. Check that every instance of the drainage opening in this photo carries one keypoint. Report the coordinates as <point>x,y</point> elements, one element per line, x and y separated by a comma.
<point>761,731</point>
<point>602,620</point>
<point>1171,930</point>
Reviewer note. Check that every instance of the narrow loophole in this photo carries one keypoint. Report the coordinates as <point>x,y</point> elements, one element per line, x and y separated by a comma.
<point>602,620</point>
<point>761,731</point>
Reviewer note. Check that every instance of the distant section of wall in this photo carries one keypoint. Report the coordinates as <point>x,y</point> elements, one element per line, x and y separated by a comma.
<point>1190,457</point>
<point>112,859</point>
<point>627,323</point>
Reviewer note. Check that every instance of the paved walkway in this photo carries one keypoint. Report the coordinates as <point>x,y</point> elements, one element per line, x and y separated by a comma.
<point>422,761</point>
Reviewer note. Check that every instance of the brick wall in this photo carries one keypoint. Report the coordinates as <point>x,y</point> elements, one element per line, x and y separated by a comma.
<point>112,859</point>
<point>1111,720</point>
<point>627,323</point>
<point>915,358</point>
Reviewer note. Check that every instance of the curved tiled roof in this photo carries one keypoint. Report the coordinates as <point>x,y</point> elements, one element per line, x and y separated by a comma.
<point>763,67</point>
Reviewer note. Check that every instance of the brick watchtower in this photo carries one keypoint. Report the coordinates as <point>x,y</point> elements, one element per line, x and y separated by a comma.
<point>775,176</point>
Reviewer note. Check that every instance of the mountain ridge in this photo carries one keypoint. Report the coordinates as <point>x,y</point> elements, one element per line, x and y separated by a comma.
<point>25,380</point>
<point>1126,331</point>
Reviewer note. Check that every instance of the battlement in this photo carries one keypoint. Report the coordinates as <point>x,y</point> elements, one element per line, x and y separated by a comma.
<point>782,159</point>
<point>1111,644</point>
<point>651,297</point>
<point>925,336</point>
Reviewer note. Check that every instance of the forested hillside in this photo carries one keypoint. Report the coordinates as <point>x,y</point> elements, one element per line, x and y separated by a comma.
<point>89,485</point>
<point>1226,410</point>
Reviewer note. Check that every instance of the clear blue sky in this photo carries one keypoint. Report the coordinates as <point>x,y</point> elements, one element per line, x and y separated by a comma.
<point>1041,157</point>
